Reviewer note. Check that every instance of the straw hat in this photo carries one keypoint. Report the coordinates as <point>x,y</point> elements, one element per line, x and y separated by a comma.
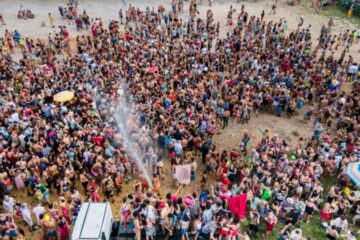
<point>334,82</point>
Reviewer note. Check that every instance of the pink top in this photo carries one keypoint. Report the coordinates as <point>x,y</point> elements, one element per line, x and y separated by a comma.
<point>64,231</point>
<point>173,198</point>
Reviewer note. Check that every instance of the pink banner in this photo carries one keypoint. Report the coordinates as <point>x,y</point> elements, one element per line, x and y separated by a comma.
<point>182,173</point>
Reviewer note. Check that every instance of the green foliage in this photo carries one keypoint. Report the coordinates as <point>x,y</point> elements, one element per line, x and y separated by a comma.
<point>346,4</point>
<point>340,12</point>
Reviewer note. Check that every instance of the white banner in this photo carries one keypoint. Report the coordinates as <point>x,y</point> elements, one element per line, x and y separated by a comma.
<point>183,173</point>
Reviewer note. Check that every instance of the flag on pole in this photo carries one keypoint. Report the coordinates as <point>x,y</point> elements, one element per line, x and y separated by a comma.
<point>237,205</point>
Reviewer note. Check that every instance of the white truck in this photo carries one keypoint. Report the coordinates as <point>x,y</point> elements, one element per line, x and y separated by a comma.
<point>94,222</point>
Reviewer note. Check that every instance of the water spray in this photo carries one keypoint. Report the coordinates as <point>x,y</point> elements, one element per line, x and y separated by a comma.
<point>123,112</point>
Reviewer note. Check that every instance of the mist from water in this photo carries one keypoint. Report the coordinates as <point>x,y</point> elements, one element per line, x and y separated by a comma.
<point>127,119</point>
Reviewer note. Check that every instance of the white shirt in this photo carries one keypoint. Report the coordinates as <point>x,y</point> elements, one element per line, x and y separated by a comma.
<point>342,100</point>
<point>9,204</point>
<point>37,211</point>
<point>25,212</point>
<point>150,212</point>
<point>15,117</point>
<point>296,234</point>
<point>353,69</point>
<point>341,223</point>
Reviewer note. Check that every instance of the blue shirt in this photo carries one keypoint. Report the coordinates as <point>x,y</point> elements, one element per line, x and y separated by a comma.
<point>220,111</point>
<point>207,216</point>
<point>178,148</point>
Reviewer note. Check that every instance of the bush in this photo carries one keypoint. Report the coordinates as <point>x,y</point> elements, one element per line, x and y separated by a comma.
<point>357,10</point>
<point>346,4</point>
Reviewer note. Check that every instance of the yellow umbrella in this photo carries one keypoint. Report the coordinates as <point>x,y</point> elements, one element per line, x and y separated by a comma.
<point>64,96</point>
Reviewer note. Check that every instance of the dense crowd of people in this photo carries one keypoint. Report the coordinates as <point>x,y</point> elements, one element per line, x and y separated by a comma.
<point>184,84</point>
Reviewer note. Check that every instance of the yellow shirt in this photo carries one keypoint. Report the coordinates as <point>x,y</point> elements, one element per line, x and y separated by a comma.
<point>52,19</point>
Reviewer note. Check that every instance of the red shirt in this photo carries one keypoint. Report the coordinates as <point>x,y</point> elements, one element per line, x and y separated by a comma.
<point>350,148</point>
<point>95,197</point>
<point>224,167</point>
<point>225,181</point>
<point>98,140</point>
<point>234,154</point>
<point>66,33</point>
<point>92,186</point>
<point>144,185</point>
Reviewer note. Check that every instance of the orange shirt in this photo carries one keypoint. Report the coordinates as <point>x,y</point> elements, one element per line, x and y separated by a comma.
<point>172,97</point>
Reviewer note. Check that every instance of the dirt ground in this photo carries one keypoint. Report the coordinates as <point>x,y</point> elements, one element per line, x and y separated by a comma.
<point>108,10</point>
<point>288,129</point>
